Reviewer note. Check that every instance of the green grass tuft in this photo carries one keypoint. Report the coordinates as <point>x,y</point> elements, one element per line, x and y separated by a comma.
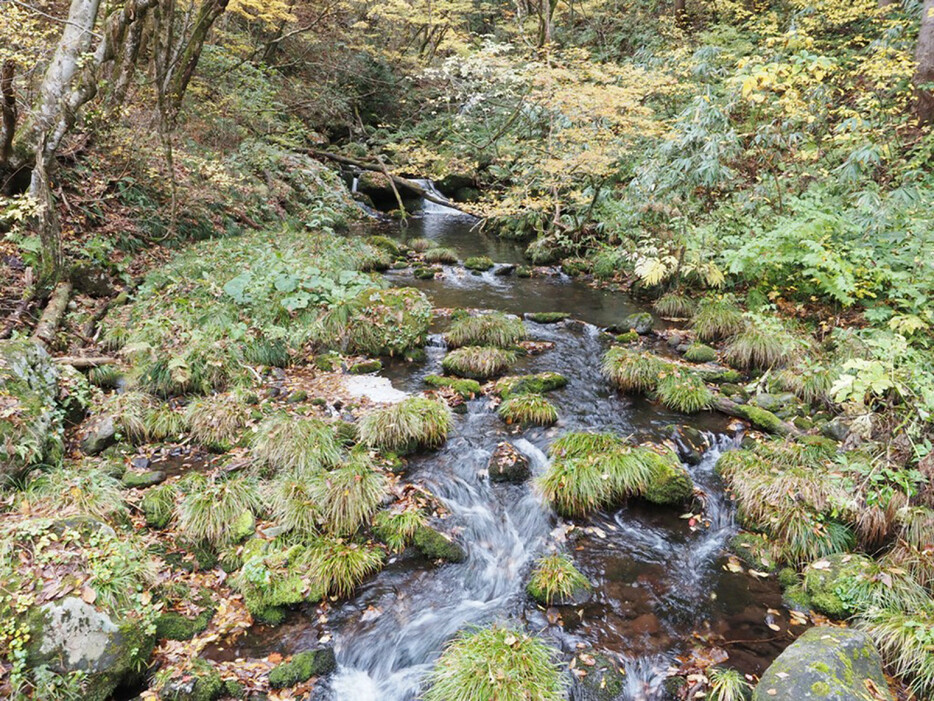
<point>728,685</point>
<point>420,245</point>
<point>555,579</point>
<point>700,353</point>
<point>906,641</point>
<point>286,443</point>
<point>494,329</point>
<point>757,348</point>
<point>76,490</point>
<point>271,352</point>
<point>477,362</point>
<point>397,528</point>
<point>218,420</point>
<point>497,663</point>
<point>685,392</point>
<point>341,565</point>
<point>631,371</point>
<point>479,263</point>
<point>441,255</point>
<point>528,410</point>
<point>674,306</point>
<point>717,318</point>
<point>210,512</point>
<point>158,504</point>
<point>347,496</point>
<point>412,424</point>
<point>165,423</point>
<point>294,501</point>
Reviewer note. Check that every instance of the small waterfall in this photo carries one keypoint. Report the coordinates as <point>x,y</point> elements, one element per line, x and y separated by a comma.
<point>354,184</point>
<point>430,208</point>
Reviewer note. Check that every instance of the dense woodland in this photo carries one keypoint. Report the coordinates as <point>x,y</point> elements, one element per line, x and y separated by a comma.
<point>205,209</point>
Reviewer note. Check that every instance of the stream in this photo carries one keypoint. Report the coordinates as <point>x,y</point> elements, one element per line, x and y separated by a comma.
<point>660,587</point>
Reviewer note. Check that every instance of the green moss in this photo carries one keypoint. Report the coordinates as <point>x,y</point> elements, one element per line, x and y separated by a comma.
<point>365,367</point>
<point>468,389</point>
<point>433,545</point>
<point>628,337</point>
<point>421,273</point>
<point>546,317</point>
<point>555,580</point>
<point>529,384</point>
<point>760,418</point>
<point>700,353</point>
<point>174,626</point>
<point>796,598</point>
<point>670,483</point>
<point>207,684</point>
<point>523,271</point>
<point>141,480</point>
<point>820,688</point>
<point>479,263</point>
<point>302,667</point>
<point>788,577</point>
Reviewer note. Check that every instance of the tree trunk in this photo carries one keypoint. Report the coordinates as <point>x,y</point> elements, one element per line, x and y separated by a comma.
<point>924,75</point>
<point>208,13</point>
<point>7,111</point>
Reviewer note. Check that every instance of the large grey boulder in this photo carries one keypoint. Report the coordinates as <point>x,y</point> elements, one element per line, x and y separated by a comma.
<point>70,635</point>
<point>830,664</point>
<point>30,424</point>
<point>99,435</point>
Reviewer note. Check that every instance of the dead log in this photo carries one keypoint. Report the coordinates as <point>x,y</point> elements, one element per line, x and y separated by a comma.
<point>762,419</point>
<point>52,316</point>
<point>396,179</point>
<point>79,363</point>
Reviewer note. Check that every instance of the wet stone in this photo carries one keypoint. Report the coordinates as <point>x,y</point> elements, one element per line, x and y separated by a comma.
<point>507,464</point>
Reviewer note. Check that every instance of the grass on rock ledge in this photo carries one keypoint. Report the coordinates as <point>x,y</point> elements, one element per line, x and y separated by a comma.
<point>412,424</point>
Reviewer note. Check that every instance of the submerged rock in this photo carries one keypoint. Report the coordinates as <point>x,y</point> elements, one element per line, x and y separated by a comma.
<point>507,464</point>
<point>830,664</point>
<point>71,636</point>
<point>30,426</point>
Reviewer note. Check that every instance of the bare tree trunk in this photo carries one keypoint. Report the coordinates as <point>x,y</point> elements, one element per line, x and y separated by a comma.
<point>7,111</point>
<point>924,74</point>
<point>208,13</point>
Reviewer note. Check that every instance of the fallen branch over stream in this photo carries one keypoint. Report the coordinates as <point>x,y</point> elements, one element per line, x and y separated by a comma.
<point>760,418</point>
<point>396,179</point>
<point>83,363</point>
<point>52,316</point>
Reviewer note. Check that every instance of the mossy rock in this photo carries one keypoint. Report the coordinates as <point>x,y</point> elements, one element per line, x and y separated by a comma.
<point>546,317</point>
<point>70,635</point>
<point>328,362</point>
<point>605,680</point>
<point>523,271</point>
<point>700,353</point>
<point>539,383</point>
<point>243,527</point>
<point>365,367</point>
<point>507,464</point>
<point>760,418</point>
<point>575,267</point>
<point>435,546</point>
<point>175,626</point>
<point>30,425</point>
<point>671,484</point>
<point>640,322</point>
<point>754,550</point>
<point>424,273</point>
<point>479,263</point>
<point>201,682</point>
<point>468,389</point>
<point>627,337</point>
<point>830,664</point>
<point>141,480</point>
<point>302,667</point>
<point>826,578</point>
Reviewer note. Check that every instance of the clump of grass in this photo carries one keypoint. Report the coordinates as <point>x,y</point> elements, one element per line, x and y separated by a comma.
<point>578,444</point>
<point>728,685</point>
<point>494,329</point>
<point>420,245</point>
<point>700,353</point>
<point>441,254</point>
<point>479,263</point>
<point>347,496</point>
<point>497,663</point>
<point>271,352</point>
<point>412,424</point>
<point>129,411</point>
<point>76,490</point>
<point>294,501</point>
<point>217,421</point>
<point>164,423</point>
<point>555,579</point>
<point>631,371</point>
<point>208,513</point>
<point>158,504</point>
<point>286,443</point>
<point>684,392</point>
<point>757,348</point>
<point>374,259</point>
<point>717,318</point>
<point>674,306</point>
<point>105,376</point>
<point>389,245</point>
<point>906,641</point>
<point>810,381</point>
<point>341,565</point>
<point>528,410</point>
<point>478,362</point>
<point>397,528</point>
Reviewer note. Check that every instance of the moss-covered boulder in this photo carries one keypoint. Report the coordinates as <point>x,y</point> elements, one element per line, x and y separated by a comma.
<point>436,546</point>
<point>302,667</point>
<point>200,682</point>
<point>507,464</point>
<point>70,635</point>
<point>30,425</point>
<point>141,480</point>
<point>826,579</point>
<point>670,484</point>
<point>829,664</point>
<point>175,626</point>
<point>605,680</point>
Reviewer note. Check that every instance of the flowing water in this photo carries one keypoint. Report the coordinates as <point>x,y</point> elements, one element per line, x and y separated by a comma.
<point>659,584</point>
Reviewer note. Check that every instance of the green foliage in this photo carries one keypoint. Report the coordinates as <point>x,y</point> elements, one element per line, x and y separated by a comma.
<point>906,640</point>
<point>341,565</point>
<point>685,392</point>
<point>397,528</point>
<point>441,255</point>
<point>717,318</point>
<point>209,512</point>
<point>158,504</point>
<point>758,347</point>
<point>412,424</point>
<point>631,371</point>
<point>699,353</point>
<point>478,362</point>
<point>673,305</point>
<point>348,495</point>
<point>494,329</point>
<point>468,389</point>
<point>479,263</point>
<point>528,410</point>
<point>728,685</point>
<point>525,384</point>
<point>555,579</point>
<point>294,499</point>
<point>285,443</point>
<point>164,423</point>
<point>525,668</point>
<point>76,490</point>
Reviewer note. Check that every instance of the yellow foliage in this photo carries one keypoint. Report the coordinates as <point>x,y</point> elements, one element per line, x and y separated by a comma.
<point>268,12</point>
